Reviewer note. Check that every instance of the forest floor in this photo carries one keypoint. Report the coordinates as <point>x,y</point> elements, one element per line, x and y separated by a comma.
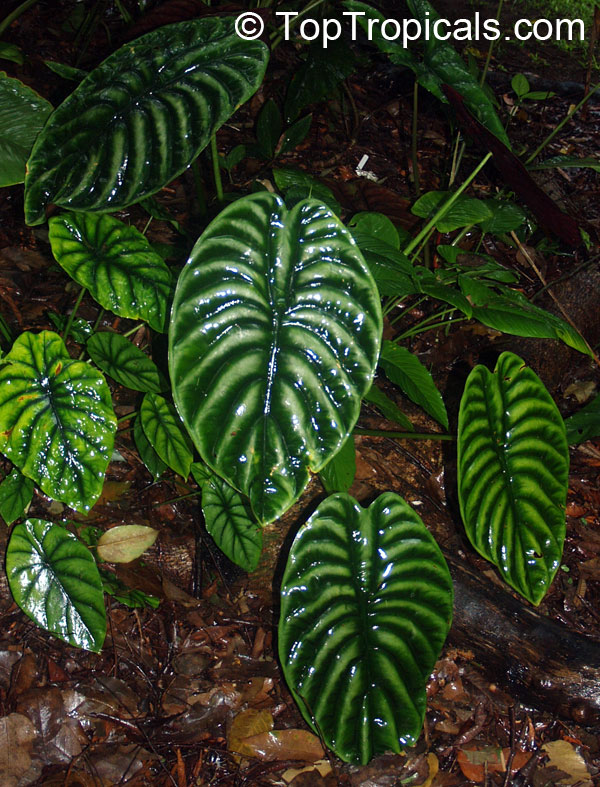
<point>179,689</point>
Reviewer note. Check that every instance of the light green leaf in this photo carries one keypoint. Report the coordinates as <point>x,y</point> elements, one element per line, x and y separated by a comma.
<point>506,216</point>
<point>124,543</point>
<point>164,430</point>
<point>22,115</point>
<point>407,371</point>
<point>366,604</point>
<point>11,52</point>
<point>142,116</point>
<point>513,470</point>
<point>274,337</point>
<point>462,213</point>
<point>125,362</point>
<point>57,422</point>
<point>115,263</point>
<point>54,579</point>
<point>16,492</point>
<point>338,474</point>
<point>520,85</point>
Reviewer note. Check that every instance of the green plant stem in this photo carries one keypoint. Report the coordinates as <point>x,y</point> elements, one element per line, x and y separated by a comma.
<point>69,324</point>
<point>491,46</point>
<point>414,141</point>
<point>7,21</point>
<point>403,435</point>
<point>216,168</point>
<point>127,417</point>
<point>445,207</point>
<point>432,318</point>
<point>131,331</point>
<point>431,326</point>
<point>565,120</point>
<point>176,499</point>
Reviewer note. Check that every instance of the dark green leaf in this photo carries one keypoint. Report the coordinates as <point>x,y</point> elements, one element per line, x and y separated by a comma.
<point>11,52</point>
<point>16,492</point>
<point>233,158</point>
<point>338,474</point>
<point>366,604</point>
<point>125,362</point>
<point>287,178</point>
<point>54,579</point>
<point>22,115</point>
<point>295,134</point>
<point>155,465</point>
<point>164,430</point>
<point>115,263</point>
<point>230,523</point>
<point>65,71</point>
<point>513,469</point>
<point>274,336</point>
<point>520,85</point>
<point>391,269</point>
<point>142,116</point>
<point>585,424</point>
<point>135,599</point>
<point>80,330</point>
<point>57,423</point>
<point>407,371</point>
<point>377,226</point>
<point>390,409</point>
<point>429,284</point>
<point>506,216</point>
<point>566,162</point>
<point>268,128</point>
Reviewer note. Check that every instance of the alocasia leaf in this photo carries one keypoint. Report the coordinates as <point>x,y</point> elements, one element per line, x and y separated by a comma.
<point>125,362</point>
<point>16,492</point>
<point>274,337</point>
<point>165,433</point>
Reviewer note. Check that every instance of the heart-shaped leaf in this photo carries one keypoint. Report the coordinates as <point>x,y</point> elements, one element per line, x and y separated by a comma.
<point>22,115</point>
<point>54,579</point>
<point>142,116</point>
<point>57,422</point>
<point>228,521</point>
<point>125,362</point>
<point>16,492</point>
<point>366,604</point>
<point>164,430</point>
<point>513,467</point>
<point>274,337</point>
<point>115,263</point>
<point>124,543</point>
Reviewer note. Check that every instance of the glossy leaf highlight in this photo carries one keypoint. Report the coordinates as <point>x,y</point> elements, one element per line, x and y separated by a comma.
<point>366,604</point>
<point>165,433</point>
<point>513,466</point>
<point>125,362</point>
<point>274,337</point>
<point>141,117</point>
<point>57,422</point>
<point>54,579</point>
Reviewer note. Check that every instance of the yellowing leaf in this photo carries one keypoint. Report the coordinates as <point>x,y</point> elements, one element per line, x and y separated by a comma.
<point>125,543</point>
<point>564,756</point>
<point>248,723</point>
<point>284,745</point>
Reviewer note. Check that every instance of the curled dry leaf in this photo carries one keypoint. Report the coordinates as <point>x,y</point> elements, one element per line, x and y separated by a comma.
<point>284,745</point>
<point>564,756</point>
<point>125,543</point>
<point>16,738</point>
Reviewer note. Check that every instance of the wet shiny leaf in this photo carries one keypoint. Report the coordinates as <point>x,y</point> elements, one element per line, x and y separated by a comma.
<point>57,423</point>
<point>22,114</point>
<point>141,117</point>
<point>115,263</point>
<point>16,492</point>
<point>274,337</point>
<point>54,579</point>
<point>164,430</point>
<point>366,604</point>
<point>513,467</point>
<point>124,543</point>
<point>125,362</point>
<point>154,464</point>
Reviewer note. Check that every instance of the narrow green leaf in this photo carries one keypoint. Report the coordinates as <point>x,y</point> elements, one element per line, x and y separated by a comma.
<point>155,465</point>
<point>125,362</point>
<point>16,492</point>
<point>115,263</point>
<point>366,604</point>
<point>164,430</point>
<point>407,371</point>
<point>295,134</point>
<point>564,161</point>
<point>54,579</point>
<point>338,474</point>
<point>142,116</point>
<point>513,469</point>
<point>390,409</point>
<point>268,128</point>
<point>57,422</point>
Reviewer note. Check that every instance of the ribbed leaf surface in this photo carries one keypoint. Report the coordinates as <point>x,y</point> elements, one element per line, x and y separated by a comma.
<point>165,433</point>
<point>57,422</point>
<point>366,604</point>
<point>275,331</point>
<point>513,466</point>
<point>116,264</point>
<point>54,579</point>
<point>125,362</point>
<point>141,117</point>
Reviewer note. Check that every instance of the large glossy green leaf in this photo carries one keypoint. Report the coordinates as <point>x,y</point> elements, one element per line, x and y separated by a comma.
<point>366,604</point>
<point>54,579</point>
<point>513,466</point>
<point>16,492</point>
<point>22,114</point>
<point>57,422</point>
<point>230,522</point>
<point>274,337</point>
<point>125,362</point>
<point>116,264</point>
<point>142,116</point>
<point>164,430</point>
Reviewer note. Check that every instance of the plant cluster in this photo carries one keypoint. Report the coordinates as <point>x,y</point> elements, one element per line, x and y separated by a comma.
<point>275,333</point>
